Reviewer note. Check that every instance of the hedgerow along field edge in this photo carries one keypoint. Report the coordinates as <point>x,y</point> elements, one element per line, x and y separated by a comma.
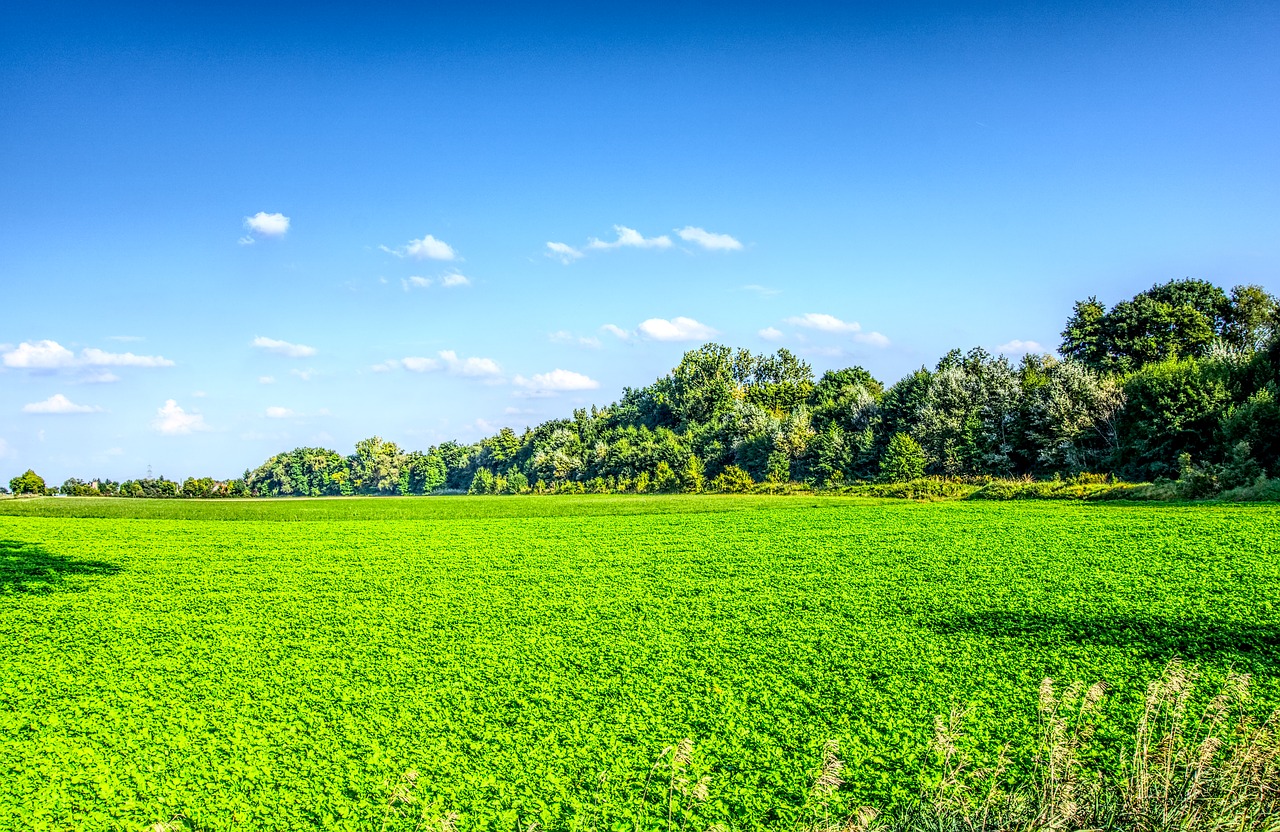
<point>531,658</point>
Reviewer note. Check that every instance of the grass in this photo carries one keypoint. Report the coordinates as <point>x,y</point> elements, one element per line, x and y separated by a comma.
<point>529,659</point>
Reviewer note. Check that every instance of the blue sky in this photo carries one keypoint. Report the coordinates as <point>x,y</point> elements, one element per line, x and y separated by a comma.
<point>873,187</point>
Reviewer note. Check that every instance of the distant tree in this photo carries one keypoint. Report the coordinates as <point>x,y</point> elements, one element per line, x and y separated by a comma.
<point>375,466</point>
<point>1178,319</point>
<point>27,483</point>
<point>903,460</point>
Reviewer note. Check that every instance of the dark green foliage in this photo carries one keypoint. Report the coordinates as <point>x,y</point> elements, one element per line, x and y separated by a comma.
<point>1173,407</point>
<point>1178,319</point>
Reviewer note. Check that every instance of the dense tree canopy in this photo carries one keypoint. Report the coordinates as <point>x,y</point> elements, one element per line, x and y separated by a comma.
<point>1183,374</point>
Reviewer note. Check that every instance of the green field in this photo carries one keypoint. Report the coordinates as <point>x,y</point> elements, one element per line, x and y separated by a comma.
<point>275,664</point>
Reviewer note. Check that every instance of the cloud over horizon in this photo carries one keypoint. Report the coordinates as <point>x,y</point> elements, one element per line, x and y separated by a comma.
<point>263,224</point>
<point>425,248</point>
<point>172,420</point>
<point>58,403</point>
<point>708,240</point>
<point>676,329</point>
<point>283,347</point>
<point>50,355</point>
<point>556,381</point>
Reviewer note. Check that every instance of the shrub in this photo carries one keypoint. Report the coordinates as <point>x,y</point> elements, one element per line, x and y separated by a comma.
<point>733,480</point>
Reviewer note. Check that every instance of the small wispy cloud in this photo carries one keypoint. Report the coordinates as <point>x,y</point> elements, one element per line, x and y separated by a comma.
<point>452,280</point>
<point>1019,347</point>
<point>275,412</point>
<point>707,239</point>
<point>425,248</point>
<point>448,361</point>
<point>761,291</point>
<point>676,329</point>
<point>59,403</point>
<point>823,322</point>
<point>556,381</point>
<point>629,238</point>
<point>263,224</point>
<point>770,333</point>
<point>565,337</point>
<point>304,375</point>
<point>266,379</point>
<point>284,348</point>
<point>470,367</point>
<point>420,365</point>
<point>101,358</point>
<point>563,252</point>
<point>172,420</point>
<point>616,331</point>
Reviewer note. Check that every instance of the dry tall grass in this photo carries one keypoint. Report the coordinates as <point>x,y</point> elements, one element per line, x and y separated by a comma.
<point>1215,770</point>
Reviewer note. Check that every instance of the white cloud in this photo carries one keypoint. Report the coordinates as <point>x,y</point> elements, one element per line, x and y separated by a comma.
<point>265,225</point>
<point>174,421</point>
<point>426,248</point>
<point>563,336</point>
<point>708,240</point>
<point>448,361</point>
<point>762,291</point>
<point>629,238</point>
<point>419,365</point>
<point>415,282</point>
<point>275,412</point>
<point>1019,347</point>
<point>59,403</point>
<point>563,252</point>
<point>266,379</point>
<point>454,280</point>
<point>305,375</point>
<point>470,367</point>
<point>874,339</point>
<point>824,323</point>
<point>770,333</point>
<point>41,355</point>
<point>99,377</point>
<point>200,394</point>
<point>283,347</point>
<point>676,329</point>
<point>49,355</point>
<point>556,381</point>
<point>99,358</point>
<point>616,331</point>
<point>830,323</point>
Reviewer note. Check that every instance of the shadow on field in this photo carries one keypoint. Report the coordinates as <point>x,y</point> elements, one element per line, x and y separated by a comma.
<point>1248,645</point>
<point>27,568</point>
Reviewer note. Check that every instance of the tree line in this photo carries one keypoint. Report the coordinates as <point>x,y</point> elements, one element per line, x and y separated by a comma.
<point>1181,382</point>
